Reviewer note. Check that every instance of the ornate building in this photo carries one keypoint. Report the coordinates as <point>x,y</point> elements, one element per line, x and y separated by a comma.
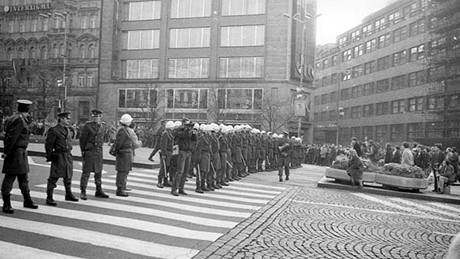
<point>49,53</point>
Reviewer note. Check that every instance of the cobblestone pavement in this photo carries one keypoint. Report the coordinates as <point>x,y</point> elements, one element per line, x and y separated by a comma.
<point>309,222</point>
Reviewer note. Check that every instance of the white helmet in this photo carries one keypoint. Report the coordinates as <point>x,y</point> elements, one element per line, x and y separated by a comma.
<point>126,119</point>
<point>169,125</point>
<point>177,124</point>
<point>196,126</point>
<point>263,132</point>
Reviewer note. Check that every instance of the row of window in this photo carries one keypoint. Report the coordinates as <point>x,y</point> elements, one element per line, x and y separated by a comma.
<point>402,132</point>
<point>197,98</point>
<point>372,45</point>
<point>150,10</point>
<point>229,67</point>
<point>57,50</point>
<point>230,36</point>
<point>415,104</point>
<point>42,24</point>
<point>383,22</point>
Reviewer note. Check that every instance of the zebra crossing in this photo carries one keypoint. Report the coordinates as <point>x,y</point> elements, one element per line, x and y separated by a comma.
<point>150,223</point>
<point>432,210</point>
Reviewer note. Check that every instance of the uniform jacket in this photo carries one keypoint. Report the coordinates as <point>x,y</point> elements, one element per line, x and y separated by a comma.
<point>125,143</point>
<point>58,147</point>
<point>91,140</point>
<point>166,143</point>
<point>15,143</point>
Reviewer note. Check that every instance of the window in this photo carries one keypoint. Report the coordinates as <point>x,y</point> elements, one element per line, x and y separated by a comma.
<point>417,53</point>
<point>90,80</point>
<point>189,38</point>
<point>11,26</point>
<point>356,112</point>
<point>397,132</point>
<point>417,78</point>
<point>381,108</point>
<point>324,98</point>
<point>45,22</point>
<point>382,86</point>
<point>381,132</point>
<point>367,30</point>
<point>145,10</point>
<point>370,67</point>
<point>384,40</point>
<point>137,98</point>
<point>141,69</point>
<point>398,106</point>
<point>416,104</point>
<point>417,27</point>
<point>148,39</point>
<point>398,82</point>
<point>81,80</point>
<point>394,17</point>
<point>400,34</point>
<point>453,129</point>
<point>345,94</point>
<point>253,35</point>
<point>334,78</point>
<point>317,100</point>
<point>334,60</point>
<point>453,101</point>
<point>400,58</point>
<point>84,22</point>
<point>358,50</point>
<point>380,24</point>
<point>435,73</point>
<point>83,110</point>
<point>188,68</point>
<point>383,63</point>
<point>369,88</point>
<point>43,52</point>
<point>371,45</point>
<point>356,132</point>
<point>343,41</point>
<point>325,63</point>
<point>246,99</point>
<point>368,110</point>
<point>346,55</point>
<point>33,52</point>
<point>356,91</point>
<point>187,98</point>
<point>34,25</point>
<point>356,35</point>
<point>93,22</point>
<point>435,103</point>
<point>22,26</point>
<point>434,129</point>
<point>241,67</point>
<point>357,71</point>
<point>82,51</point>
<point>243,7</point>
<point>92,51</point>
<point>414,130</point>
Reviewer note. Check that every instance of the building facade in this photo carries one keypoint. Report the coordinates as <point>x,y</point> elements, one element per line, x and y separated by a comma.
<point>49,53</point>
<point>225,61</point>
<point>378,81</point>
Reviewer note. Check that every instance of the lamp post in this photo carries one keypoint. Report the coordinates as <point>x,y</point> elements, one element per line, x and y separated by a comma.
<point>65,16</point>
<point>339,109</point>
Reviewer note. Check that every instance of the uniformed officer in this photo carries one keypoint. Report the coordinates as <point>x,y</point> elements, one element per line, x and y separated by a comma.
<point>16,164</point>
<point>58,148</point>
<point>284,148</point>
<point>166,148</point>
<point>91,140</point>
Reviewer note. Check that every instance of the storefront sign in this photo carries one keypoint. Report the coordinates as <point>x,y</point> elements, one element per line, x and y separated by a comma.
<point>23,8</point>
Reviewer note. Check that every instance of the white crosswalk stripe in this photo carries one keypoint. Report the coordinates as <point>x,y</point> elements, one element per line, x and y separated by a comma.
<point>149,222</point>
<point>446,207</point>
<point>424,207</point>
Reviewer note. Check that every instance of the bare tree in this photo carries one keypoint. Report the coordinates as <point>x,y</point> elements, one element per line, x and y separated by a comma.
<point>276,115</point>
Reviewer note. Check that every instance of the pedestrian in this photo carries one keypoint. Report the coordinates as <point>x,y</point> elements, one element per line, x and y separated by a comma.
<point>91,140</point>
<point>16,165</point>
<point>157,140</point>
<point>397,155</point>
<point>388,153</point>
<point>407,157</point>
<point>58,146</point>
<point>355,169</point>
<point>356,146</point>
<point>284,148</point>
<point>125,142</point>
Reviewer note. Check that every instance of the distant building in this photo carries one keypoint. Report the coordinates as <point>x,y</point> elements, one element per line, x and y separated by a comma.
<point>225,61</point>
<point>33,55</point>
<point>380,81</point>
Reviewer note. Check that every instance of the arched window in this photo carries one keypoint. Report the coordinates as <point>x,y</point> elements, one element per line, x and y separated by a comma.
<point>10,53</point>
<point>32,52</point>
<point>43,52</point>
<point>55,51</point>
<point>21,53</point>
<point>92,51</point>
<point>82,51</point>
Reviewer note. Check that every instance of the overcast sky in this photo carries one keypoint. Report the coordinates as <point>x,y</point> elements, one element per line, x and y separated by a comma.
<point>338,16</point>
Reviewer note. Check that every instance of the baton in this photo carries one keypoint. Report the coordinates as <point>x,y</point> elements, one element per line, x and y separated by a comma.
<point>164,165</point>
<point>229,164</point>
<point>198,173</point>
<point>215,173</point>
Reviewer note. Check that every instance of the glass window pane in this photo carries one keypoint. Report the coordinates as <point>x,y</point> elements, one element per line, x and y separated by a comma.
<point>121,98</point>
<point>203,98</point>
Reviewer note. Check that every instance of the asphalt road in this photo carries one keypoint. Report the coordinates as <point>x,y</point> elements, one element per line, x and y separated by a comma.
<point>257,217</point>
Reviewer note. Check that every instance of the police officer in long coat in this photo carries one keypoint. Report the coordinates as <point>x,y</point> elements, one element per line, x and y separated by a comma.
<point>285,150</point>
<point>58,148</point>
<point>91,140</point>
<point>16,165</point>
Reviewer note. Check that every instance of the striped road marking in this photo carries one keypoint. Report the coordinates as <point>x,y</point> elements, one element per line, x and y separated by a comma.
<point>389,204</point>
<point>444,206</point>
<point>130,245</point>
<point>10,250</point>
<point>423,207</point>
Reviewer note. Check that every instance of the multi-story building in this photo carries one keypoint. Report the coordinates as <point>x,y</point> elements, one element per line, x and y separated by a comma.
<point>49,54</point>
<point>226,61</point>
<point>378,81</point>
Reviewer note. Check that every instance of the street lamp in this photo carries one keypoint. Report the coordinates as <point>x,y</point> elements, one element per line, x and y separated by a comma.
<point>298,18</point>
<point>339,109</point>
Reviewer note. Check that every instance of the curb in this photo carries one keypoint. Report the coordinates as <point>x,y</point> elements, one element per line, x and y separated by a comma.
<point>105,161</point>
<point>324,183</point>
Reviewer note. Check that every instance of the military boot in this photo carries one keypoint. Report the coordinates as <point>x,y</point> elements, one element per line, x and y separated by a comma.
<point>100,193</point>
<point>281,178</point>
<point>49,198</point>
<point>7,204</point>
<point>28,203</point>
<point>120,192</point>
<point>69,195</point>
<point>83,194</point>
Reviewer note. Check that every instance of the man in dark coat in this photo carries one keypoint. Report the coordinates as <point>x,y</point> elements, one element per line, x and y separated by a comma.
<point>91,140</point>
<point>16,165</point>
<point>184,136</point>
<point>285,150</point>
<point>356,146</point>
<point>58,148</point>
<point>166,148</point>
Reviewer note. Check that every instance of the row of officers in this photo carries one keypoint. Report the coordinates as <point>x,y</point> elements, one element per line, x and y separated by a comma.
<point>214,154</point>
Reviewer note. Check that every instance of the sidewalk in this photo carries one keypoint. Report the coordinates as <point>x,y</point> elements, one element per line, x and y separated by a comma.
<point>140,157</point>
<point>423,194</point>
